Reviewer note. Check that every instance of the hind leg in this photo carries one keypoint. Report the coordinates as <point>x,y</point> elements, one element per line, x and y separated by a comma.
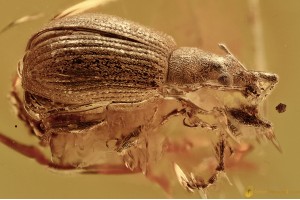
<point>35,153</point>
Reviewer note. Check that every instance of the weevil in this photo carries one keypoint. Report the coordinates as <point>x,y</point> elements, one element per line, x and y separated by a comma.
<point>96,89</point>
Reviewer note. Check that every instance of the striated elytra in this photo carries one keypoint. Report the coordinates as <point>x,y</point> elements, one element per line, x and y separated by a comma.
<point>95,57</point>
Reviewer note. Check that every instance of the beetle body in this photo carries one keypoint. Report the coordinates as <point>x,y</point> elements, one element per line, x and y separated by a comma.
<point>106,58</point>
<point>97,88</point>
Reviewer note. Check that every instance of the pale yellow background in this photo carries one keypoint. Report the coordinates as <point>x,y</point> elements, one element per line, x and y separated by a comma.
<point>202,23</point>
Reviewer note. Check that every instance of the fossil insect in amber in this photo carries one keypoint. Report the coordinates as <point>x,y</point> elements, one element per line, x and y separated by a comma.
<point>97,89</point>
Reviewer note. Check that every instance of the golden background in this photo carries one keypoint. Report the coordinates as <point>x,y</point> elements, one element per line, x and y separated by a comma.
<point>202,23</point>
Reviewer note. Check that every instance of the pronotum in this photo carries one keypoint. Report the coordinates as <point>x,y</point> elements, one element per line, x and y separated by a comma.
<point>93,84</point>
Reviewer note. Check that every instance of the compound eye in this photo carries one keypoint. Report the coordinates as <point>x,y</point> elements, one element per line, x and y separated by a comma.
<point>225,79</point>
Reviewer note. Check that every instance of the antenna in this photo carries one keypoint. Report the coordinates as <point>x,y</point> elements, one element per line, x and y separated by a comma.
<point>224,48</point>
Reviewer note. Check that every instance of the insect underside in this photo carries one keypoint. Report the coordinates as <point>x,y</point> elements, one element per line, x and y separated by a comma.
<point>99,138</point>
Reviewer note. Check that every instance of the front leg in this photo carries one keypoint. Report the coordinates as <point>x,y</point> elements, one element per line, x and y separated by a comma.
<point>191,110</point>
<point>192,119</point>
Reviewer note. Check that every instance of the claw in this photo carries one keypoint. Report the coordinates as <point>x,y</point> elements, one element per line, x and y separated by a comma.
<point>276,144</point>
<point>224,175</point>
<point>202,193</point>
<point>188,124</point>
<point>234,138</point>
<point>183,180</point>
<point>271,136</point>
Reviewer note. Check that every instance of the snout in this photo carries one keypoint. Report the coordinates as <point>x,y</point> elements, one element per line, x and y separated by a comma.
<point>270,78</point>
<point>265,83</point>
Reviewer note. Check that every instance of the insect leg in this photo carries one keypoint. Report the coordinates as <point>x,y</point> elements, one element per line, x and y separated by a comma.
<point>193,182</point>
<point>17,102</point>
<point>220,169</point>
<point>191,110</point>
<point>186,103</point>
<point>36,154</point>
<point>172,114</point>
<point>128,141</point>
<point>221,115</point>
<point>30,152</point>
<point>192,120</point>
